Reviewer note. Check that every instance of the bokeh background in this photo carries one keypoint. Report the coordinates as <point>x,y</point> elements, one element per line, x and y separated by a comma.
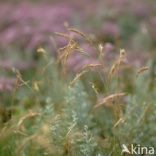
<point>66,121</point>
<point>114,23</point>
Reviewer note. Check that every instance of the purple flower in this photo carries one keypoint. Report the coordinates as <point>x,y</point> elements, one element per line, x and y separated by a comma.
<point>20,65</point>
<point>107,47</point>
<point>7,84</point>
<point>109,29</point>
<point>27,22</point>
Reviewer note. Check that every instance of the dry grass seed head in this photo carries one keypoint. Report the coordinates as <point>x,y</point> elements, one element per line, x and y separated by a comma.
<point>117,63</point>
<point>122,53</point>
<point>19,79</point>
<point>78,76</point>
<point>82,51</point>
<point>141,70</point>
<point>118,122</point>
<point>100,48</point>
<point>81,34</point>
<point>26,117</point>
<point>113,68</point>
<point>110,97</point>
<point>67,49</point>
<point>94,88</point>
<point>71,47</point>
<point>35,85</point>
<point>40,50</point>
<point>63,35</point>
<point>91,66</point>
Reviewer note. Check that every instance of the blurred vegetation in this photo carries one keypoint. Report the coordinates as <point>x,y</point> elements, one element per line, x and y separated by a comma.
<point>77,94</point>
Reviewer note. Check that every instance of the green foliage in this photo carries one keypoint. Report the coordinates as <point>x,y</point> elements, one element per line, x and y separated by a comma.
<point>65,121</point>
